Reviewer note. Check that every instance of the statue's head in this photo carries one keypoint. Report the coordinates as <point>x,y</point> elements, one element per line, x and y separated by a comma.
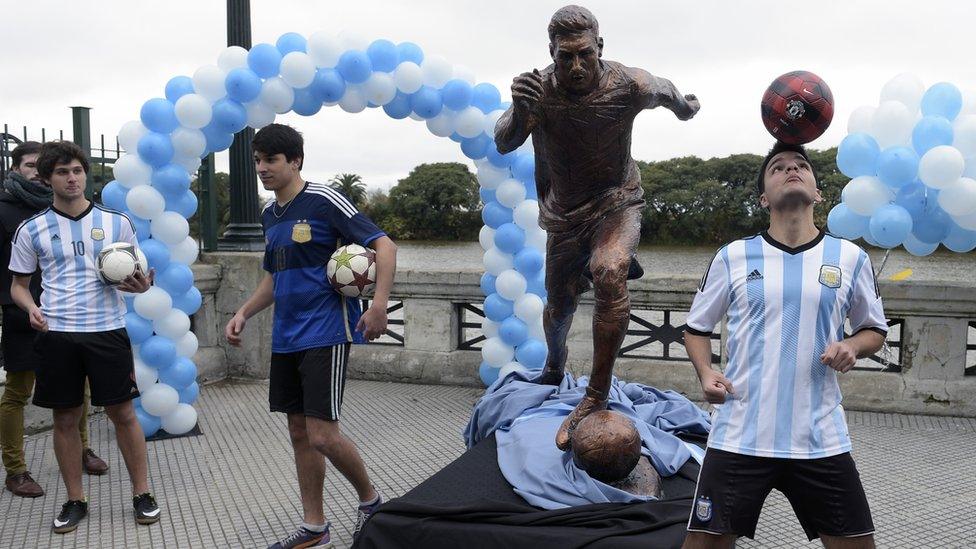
<point>576,48</point>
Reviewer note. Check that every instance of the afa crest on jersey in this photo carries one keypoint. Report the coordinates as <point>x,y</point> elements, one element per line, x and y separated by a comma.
<point>301,233</point>
<point>830,276</point>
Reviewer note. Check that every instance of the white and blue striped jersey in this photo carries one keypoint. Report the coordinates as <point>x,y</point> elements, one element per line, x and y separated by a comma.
<point>65,248</point>
<point>784,306</point>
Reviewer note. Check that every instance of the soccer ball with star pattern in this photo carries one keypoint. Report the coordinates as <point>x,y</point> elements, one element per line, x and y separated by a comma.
<point>352,270</point>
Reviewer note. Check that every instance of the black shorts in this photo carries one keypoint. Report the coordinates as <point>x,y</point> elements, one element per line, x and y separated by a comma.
<point>17,341</point>
<point>105,358</point>
<point>826,494</point>
<point>309,382</point>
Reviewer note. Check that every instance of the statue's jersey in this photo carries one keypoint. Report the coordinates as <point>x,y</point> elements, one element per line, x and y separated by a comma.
<point>582,148</point>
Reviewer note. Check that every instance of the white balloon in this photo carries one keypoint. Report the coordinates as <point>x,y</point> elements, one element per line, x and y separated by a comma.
<point>145,201</point>
<point>259,115</point>
<point>967,222</point>
<point>489,328</point>
<point>416,117</point>
<point>968,102</point>
<point>510,284</point>
<point>277,95</point>
<point>497,261</point>
<point>352,40</point>
<point>324,49</point>
<point>160,399</point>
<point>865,194</point>
<point>193,111</point>
<point>354,100</point>
<point>905,88</point>
<point>526,214</point>
<point>491,119</point>
<point>437,71</point>
<point>130,134</point>
<point>496,352</point>
<point>537,330</point>
<point>510,368</point>
<point>174,325</point>
<point>964,135</point>
<point>153,304</point>
<point>297,69</point>
<point>182,419</point>
<point>146,376</point>
<point>529,308</point>
<point>188,142</point>
<point>408,77</point>
<point>892,124</point>
<point>208,81</point>
<point>469,122</point>
<point>380,88</point>
<point>233,57</point>
<point>187,345</point>
<point>169,228</point>
<point>959,199</point>
<point>491,177</point>
<point>510,193</point>
<point>184,252</point>
<point>190,163</point>
<point>860,120</point>
<point>462,72</point>
<point>941,166</point>
<point>442,125</point>
<point>537,239</point>
<point>486,237</point>
<point>130,171</point>
<point>526,147</point>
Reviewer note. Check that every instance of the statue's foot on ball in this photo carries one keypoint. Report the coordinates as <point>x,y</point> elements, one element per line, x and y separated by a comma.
<point>587,406</point>
<point>551,377</point>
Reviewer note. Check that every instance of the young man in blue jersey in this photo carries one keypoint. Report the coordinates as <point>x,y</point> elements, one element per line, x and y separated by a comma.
<point>779,423</point>
<point>313,324</point>
<point>81,324</point>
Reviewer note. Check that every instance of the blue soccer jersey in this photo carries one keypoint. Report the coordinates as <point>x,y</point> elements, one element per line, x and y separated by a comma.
<point>300,238</point>
<point>65,248</point>
<point>784,306</point>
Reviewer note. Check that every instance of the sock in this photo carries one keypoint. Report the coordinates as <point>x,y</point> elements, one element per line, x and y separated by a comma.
<point>372,501</point>
<point>317,528</point>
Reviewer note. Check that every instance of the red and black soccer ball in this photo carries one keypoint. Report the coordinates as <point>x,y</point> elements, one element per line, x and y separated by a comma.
<point>797,107</point>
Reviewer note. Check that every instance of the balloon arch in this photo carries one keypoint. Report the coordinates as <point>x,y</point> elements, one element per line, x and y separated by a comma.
<point>200,115</point>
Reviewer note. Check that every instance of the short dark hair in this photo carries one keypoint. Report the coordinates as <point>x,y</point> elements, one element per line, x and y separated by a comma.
<point>573,20</point>
<point>22,150</point>
<point>53,153</point>
<point>280,138</point>
<point>781,147</point>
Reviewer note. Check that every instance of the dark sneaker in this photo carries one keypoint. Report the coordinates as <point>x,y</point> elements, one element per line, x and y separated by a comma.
<point>71,514</point>
<point>93,464</point>
<point>302,538</point>
<point>147,512</point>
<point>24,485</point>
<point>363,513</point>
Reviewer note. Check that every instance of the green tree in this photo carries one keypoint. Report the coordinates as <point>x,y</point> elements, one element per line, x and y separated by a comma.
<point>435,202</point>
<point>352,186</point>
<point>221,189</point>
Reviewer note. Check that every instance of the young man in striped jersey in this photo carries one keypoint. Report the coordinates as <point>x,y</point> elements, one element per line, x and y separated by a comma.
<point>778,421</point>
<point>313,324</point>
<point>81,324</point>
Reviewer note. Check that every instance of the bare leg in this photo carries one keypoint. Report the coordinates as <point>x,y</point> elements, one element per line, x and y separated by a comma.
<point>702,540</point>
<point>132,444</point>
<point>839,542</point>
<point>67,449</point>
<point>310,467</point>
<point>326,437</point>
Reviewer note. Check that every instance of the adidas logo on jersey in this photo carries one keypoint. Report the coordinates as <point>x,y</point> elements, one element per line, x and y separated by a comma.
<point>55,237</point>
<point>754,275</point>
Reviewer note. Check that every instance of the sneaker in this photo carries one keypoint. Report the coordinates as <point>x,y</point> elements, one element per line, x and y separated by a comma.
<point>71,514</point>
<point>363,513</point>
<point>24,485</point>
<point>147,512</point>
<point>302,538</point>
<point>93,464</point>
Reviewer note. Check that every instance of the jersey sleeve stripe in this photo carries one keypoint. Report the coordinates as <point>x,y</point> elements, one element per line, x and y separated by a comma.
<point>338,196</point>
<point>342,204</point>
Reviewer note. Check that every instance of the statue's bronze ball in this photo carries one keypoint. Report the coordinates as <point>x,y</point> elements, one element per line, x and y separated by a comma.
<point>606,445</point>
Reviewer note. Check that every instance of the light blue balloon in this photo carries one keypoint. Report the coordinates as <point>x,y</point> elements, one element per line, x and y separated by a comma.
<point>159,115</point>
<point>531,353</point>
<point>157,253</point>
<point>912,198</point>
<point>513,331</point>
<point>180,374</point>
<point>158,352</point>
<point>509,238</point>
<point>456,137</point>
<point>328,85</point>
<point>185,204</point>
<point>408,51</point>
<point>918,248</point>
<point>486,97</point>
<point>531,192</point>
<point>457,94</point>
<point>264,60</point>
<point>426,102</point>
<point>189,302</point>
<point>150,424</point>
<point>138,328</point>
<point>141,226</point>
<point>890,225</point>
<point>229,116</point>
<point>488,284</point>
<point>289,42</point>
<point>171,179</point>
<point>897,167</point>
<point>307,101</point>
<point>498,308</point>
<point>477,147</point>
<point>495,215</point>
<point>217,140</point>
<point>857,155</point>
<point>844,223</point>
<point>523,168</point>
<point>933,225</point>
<point>177,87</point>
<point>960,240</point>
<point>383,55</point>
<point>537,284</point>
<point>942,99</point>
<point>190,393</point>
<point>354,66</point>
<point>487,195</point>
<point>488,374</point>
<point>399,108</point>
<point>930,132</point>
<point>529,261</point>
<point>155,149</point>
<point>498,159</point>
<point>113,195</point>
<point>242,84</point>
<point>176,279</point>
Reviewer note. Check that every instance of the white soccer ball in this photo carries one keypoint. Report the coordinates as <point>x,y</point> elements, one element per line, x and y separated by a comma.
<point>119,260</point>
<point>352,270</point>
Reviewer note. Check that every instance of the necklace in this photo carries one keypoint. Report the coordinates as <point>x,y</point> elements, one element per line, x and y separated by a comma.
<point>274,207</point>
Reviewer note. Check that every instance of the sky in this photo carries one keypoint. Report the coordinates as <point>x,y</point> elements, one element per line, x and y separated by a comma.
<point>113,55</point>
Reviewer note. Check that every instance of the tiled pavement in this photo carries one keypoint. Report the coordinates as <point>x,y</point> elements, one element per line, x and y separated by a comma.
<point>235,485</point>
